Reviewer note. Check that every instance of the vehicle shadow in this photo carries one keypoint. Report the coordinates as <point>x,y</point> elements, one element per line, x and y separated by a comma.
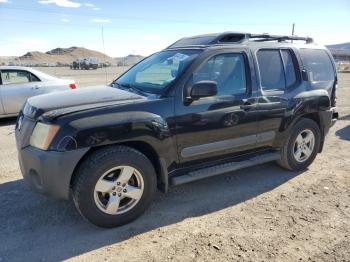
<point>346,117</point>
<point>7,121</point>
<point>34,227</point>
<point>344,133</point>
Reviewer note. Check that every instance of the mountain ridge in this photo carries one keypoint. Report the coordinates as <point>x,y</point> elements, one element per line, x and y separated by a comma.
<point>64,56</point>
<point>343,46</point>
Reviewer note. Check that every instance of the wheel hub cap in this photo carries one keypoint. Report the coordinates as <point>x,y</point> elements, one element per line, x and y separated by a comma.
<point>118,190</point>
<point>304,145</point>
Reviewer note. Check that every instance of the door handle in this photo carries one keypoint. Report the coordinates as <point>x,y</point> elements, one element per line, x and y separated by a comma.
<point>35,87</point>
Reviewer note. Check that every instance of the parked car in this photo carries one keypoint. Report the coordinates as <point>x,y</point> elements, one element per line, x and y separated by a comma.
<point>18,83</point>
<point>204,106</point>
<point>85,63</point>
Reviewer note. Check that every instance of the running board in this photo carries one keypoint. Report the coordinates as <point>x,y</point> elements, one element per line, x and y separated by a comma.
<point>224,168</point>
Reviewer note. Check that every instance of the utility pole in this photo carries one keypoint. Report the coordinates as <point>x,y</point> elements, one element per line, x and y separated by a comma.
<point>104,52</point>
<point>293,26</point>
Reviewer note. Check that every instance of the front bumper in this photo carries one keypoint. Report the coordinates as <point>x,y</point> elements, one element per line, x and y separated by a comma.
<point>49,172</point>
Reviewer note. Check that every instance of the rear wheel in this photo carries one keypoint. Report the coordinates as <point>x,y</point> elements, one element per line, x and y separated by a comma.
<point>301,147</point>
<point>114,186</point>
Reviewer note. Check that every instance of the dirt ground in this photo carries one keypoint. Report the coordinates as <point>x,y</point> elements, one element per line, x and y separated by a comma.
<point>257,214</point>
<point>100,76</point>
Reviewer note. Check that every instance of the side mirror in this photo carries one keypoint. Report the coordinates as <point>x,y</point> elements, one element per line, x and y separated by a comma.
<point>203,89</point>
<point>304,75</point>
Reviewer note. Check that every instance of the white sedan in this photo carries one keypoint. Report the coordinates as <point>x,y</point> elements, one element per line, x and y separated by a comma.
<point>18,83</point>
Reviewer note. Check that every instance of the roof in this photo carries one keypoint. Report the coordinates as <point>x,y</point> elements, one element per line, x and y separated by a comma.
<point>16,68</point>
<point>229,38</point>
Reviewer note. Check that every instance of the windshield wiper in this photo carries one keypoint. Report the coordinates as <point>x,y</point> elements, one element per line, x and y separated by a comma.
<point>130,87</point>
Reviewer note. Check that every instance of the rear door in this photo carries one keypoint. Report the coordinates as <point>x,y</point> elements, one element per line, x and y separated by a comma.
<point>279,79</point>
<point>16,87</point>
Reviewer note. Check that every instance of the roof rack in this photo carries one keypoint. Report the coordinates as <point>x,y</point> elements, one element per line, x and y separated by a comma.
<point>279,38</point>
<point>234,38</point>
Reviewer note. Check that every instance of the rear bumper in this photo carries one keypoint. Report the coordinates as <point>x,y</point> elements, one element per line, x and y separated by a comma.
<point>49,172</point>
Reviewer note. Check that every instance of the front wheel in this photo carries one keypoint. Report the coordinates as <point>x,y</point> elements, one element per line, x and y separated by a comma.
<point>302,145</point>
<point>114,186</point>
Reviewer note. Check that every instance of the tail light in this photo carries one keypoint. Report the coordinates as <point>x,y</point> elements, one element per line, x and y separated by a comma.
<point>72,86</point>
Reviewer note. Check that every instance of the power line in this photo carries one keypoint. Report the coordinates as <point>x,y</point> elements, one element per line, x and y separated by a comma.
<point>137,18</point>
<point>97,25</point>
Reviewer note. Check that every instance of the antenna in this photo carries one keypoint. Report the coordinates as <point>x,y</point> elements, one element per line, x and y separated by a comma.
<point>293,26</point>
<point>104,51</point>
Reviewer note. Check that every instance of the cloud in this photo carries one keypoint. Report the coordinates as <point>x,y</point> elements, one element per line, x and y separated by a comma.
<point>100,20</point>
<point>61,3</point>
<point>4,1</point>
<point>92,6</point>
<point>65,20</point>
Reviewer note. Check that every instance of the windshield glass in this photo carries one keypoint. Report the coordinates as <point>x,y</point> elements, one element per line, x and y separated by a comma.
<point>156,72</point>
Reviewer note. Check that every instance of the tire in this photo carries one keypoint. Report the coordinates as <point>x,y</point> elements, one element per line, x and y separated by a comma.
<point>92,176</point>
<point>290,151</point>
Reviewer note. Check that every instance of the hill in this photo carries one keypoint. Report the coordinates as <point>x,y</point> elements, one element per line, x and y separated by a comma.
<point>61,56</point>
<point>344,46</point>
<point>65,56</point>
<point>340,52</point>
<point>128,60</point>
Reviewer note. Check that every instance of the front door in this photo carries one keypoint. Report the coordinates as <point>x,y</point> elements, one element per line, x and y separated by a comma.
<point>17,86</point>
<point>222,124</point>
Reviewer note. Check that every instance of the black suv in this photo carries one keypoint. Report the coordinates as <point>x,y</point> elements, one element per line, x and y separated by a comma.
<point>204,106</point>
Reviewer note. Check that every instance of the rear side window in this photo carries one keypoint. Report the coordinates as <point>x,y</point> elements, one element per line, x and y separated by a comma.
<point>289,67</point>
<point>15,77</point>
<point>277,69</point>
<point>318,65</point>
<point>271,70</point>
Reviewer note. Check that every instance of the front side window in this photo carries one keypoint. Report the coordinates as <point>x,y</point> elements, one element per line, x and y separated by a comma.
<point>318,65</point>
<point>227,70</point>
<point>15,77</point>
<point>156,72</point>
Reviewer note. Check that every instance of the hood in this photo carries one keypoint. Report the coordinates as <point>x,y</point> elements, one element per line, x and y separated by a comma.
<point>58,103</point>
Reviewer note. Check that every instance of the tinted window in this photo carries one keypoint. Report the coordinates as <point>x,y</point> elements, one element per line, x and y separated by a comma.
<point>289,68</point>
<point>34,78</point>
<point>271,69</point>
<point>318,65</point>
<point>15,77</point>
<point>159,70</point>
<point>227,70</point>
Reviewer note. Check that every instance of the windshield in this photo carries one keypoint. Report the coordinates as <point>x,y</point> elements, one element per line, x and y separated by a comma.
<point>156,72</point>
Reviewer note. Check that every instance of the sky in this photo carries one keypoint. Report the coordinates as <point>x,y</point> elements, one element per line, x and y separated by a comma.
<point>144,27</point>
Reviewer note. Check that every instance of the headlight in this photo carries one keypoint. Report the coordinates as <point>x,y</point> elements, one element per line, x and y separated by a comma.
<point>42,135</point>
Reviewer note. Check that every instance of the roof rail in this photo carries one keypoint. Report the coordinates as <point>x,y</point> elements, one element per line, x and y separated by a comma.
<point>279,38</point>
<point>233,38</point>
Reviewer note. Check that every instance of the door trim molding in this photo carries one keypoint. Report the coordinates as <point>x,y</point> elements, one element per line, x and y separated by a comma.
<point>222,145</point>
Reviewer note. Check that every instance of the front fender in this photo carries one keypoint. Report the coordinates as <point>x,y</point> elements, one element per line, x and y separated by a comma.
<point>117,127</point>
